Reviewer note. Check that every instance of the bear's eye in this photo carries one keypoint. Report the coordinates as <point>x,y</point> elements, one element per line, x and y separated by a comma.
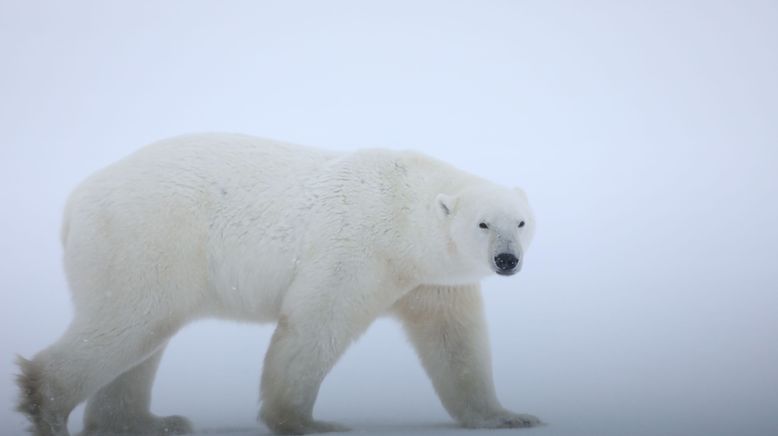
<point>521,224</point>
<point>483,226</point>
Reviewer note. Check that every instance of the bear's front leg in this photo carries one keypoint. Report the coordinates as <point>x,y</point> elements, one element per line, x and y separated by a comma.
<point>447,327</point>
<point>319,319</point>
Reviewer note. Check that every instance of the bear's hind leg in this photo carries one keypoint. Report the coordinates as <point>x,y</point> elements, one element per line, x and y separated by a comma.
<point>123,406</point>
<point>86,358</point>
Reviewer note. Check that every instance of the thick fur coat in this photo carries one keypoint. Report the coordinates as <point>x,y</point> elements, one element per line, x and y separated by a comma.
<point>319,242</point>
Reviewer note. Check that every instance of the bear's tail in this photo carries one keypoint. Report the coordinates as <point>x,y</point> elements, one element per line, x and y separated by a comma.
<point>30,401</point>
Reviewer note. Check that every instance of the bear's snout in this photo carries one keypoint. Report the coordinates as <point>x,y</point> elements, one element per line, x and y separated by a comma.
<point>506,263</point>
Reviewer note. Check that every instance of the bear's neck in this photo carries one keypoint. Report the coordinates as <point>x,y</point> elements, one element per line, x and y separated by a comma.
<point>429,255</point>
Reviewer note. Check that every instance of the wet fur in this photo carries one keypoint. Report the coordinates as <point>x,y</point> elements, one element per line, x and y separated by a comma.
<point>31,398</point>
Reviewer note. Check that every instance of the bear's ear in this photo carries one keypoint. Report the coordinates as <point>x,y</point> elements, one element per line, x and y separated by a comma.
<point>445,204</point>
<point>521,193</point>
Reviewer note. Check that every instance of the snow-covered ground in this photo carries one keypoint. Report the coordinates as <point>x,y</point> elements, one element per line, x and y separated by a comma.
<point>644,132</point>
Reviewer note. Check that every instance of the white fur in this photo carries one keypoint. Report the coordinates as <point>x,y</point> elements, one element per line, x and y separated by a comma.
<point>243,228</point>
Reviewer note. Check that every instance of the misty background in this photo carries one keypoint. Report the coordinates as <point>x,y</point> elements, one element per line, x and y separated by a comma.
<point>644,132</point>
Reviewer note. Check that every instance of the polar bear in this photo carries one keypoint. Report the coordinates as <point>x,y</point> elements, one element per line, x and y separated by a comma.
<point>322,243</point>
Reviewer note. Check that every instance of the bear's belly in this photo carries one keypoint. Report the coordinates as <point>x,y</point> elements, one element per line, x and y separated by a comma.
<point>252,287</point>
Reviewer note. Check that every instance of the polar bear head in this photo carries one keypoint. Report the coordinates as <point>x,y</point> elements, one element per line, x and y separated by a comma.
<point>489,229</point>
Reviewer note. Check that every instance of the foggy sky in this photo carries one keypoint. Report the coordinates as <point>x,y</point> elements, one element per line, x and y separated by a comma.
<point>645,134</point>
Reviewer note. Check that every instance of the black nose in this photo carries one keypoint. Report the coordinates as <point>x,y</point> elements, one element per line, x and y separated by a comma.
<point>506,261</point>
